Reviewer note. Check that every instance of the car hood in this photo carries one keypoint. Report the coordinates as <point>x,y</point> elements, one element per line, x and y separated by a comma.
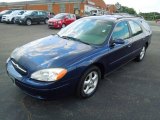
<point>53,20</point>
<point>51,51</point>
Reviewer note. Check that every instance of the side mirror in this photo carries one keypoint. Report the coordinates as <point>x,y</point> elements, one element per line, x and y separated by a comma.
<point>118,41</point>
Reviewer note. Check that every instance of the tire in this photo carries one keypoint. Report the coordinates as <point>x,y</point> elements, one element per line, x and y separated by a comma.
<point>89,82</point>
<point>63,25</point>
<point>28,22</point>
<point>12,21</point>
<point>141,54</point>
<point>46,21</point>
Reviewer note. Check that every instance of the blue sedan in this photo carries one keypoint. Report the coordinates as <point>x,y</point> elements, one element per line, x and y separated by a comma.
<point>75,59</point>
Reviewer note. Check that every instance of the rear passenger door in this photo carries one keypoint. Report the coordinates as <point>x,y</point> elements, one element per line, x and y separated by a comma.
<point>138,37</point>
<point>35,16</point>
<point>41,15</point>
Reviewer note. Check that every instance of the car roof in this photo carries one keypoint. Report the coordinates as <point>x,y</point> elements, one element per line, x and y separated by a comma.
<point>114,17</point>
<point>36,10</point>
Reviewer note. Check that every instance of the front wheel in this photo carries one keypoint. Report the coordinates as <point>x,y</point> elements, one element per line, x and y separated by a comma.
<point>28,22</point>
<point>89,82</point>
<point>141,54</point>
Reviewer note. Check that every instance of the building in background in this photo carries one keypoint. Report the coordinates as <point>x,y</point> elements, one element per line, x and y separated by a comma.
<point>111,8</point>
<point>79,7</point>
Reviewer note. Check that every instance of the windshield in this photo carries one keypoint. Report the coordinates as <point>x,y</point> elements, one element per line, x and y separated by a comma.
<point>59,16</point>
<point>15,12</point>
<point>28,13</point>
<point>90,31</point>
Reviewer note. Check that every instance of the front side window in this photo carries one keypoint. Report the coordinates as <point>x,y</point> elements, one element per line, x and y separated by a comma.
<point>135,28</point>
<point>21,13</point>
<point>90,31</point>
<point>121,31</point>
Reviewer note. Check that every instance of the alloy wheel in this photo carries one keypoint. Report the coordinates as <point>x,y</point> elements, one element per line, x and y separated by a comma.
<point>90,82</point>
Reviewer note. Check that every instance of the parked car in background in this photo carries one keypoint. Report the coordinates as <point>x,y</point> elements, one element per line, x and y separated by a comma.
<point>76,58</point>
<point>10,18</point>
<point>32,16</point>
<point>61,20</point>
<point>19,15</point>
<point>5,12</point>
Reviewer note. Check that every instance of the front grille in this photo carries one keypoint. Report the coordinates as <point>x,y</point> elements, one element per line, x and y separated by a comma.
<point>20,69</point>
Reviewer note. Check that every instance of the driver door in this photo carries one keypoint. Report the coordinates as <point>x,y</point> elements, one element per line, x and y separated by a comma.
<point>119,53</point>
<point>67,19</point>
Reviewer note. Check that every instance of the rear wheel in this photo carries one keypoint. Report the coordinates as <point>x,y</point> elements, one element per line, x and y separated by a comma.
<point>28,22</point>
<point>141,54</point>
<point>46,21</point>
<point>89,82</point>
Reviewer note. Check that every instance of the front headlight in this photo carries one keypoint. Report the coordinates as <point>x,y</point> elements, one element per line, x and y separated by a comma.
<point>51,74</point>
<point>59,22</point>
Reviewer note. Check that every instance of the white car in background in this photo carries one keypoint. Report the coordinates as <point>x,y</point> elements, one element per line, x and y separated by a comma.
<point>10,18</point>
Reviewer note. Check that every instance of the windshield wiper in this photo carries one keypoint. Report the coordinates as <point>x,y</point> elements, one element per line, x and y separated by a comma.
<point>75,39</point>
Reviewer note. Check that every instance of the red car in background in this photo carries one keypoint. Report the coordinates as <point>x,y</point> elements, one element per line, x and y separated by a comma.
<point>61,20</point>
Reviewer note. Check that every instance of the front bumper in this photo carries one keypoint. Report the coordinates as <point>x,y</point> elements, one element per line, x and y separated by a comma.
<point>20,21</point>
<point>38,89</point>
<point>54,25</point>
<point>6,20</point>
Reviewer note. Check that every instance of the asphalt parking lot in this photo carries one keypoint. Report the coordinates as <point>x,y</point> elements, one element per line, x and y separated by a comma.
<point>130,93</point>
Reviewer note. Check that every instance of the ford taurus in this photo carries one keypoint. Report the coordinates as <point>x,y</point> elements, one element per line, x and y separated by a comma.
<point>76,58</point>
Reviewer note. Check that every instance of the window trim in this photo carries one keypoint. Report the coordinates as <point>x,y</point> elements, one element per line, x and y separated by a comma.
<point>110,38</point>
<point>133,35</point>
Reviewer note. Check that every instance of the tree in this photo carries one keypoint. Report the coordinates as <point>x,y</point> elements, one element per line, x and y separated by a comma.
<point>151,15</point>
<point>128,10</point>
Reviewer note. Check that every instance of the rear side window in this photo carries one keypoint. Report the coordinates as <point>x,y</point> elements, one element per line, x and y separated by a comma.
<point>72,16</point>
<point>135,28</point>
<point>44,13</point>
<point>40,13</point>
<point>121,31</point>
<point>145,25</point>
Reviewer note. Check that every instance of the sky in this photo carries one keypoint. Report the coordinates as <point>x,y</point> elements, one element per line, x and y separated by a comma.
<point>138,5</point>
